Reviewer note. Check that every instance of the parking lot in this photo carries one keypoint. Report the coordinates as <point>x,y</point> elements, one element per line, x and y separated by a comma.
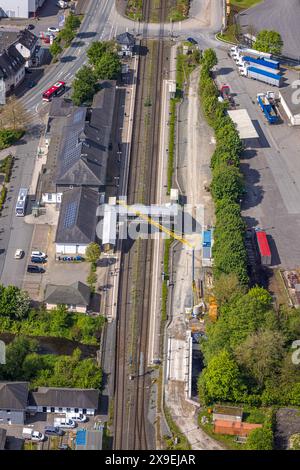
<point>271,168</point>
<point>38,423</point>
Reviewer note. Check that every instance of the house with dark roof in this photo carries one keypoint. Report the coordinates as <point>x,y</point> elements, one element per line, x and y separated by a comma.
<point>12,71</point>
<point>126,43</point>
<point>77,221</point>
<point>76,296</point>
<point>79,140</point>
<point>13,402</point>
<point>64,400</point>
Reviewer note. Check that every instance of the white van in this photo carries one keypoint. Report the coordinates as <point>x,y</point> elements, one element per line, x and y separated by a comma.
<point>76,417</point>
<point>64,423</point>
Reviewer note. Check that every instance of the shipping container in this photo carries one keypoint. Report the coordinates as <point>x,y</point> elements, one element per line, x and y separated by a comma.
<point>207,238</point>
<point>271,64</point>
<point>263,247</point>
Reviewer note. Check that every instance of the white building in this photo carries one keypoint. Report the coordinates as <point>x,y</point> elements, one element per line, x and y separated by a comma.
<point>290,100</point>
<point>19,8</point>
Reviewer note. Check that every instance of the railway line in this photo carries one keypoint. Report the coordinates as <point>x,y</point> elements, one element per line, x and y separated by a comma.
<point>131,430</point>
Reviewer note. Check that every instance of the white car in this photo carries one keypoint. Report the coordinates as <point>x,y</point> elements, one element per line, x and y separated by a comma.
<point>78,418</point>
<point>40,254</point>
<point>19,253</point>
<point>64,423</point>
<point>52,29</point>
<point>37,436</point>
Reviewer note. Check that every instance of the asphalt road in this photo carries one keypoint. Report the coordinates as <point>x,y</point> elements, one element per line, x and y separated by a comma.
<point>279,15</point>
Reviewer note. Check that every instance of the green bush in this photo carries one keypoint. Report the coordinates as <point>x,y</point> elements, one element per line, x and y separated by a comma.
<point>9,136</point>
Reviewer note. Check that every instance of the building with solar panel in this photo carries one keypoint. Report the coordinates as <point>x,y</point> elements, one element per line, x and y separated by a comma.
<point>79,142</point>
<point>77,221</point>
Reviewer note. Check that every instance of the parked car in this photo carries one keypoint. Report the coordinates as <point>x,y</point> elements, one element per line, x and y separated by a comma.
<point>192,41</point>
<point>38,259</point>
<point>53,29</point>
<point>77,418</point>
<point>64,423</point>
<point>54,431</point>
<point>31,268</point>
<point>19,253</point>
<point>29,433</point>
<point>30,26</point>
<point>39,253</point>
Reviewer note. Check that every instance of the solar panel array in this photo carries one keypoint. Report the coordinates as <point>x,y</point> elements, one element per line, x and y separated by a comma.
<point>72,150</point>
<point>70,214</point>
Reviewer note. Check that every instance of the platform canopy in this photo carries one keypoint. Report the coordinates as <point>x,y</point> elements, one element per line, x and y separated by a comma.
<point>243,123</point>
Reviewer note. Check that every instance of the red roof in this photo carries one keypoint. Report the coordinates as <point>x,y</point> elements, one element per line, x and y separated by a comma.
<point>263,243</point>
<point>234,428</point>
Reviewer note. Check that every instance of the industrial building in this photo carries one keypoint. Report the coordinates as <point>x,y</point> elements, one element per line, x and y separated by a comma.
<point>19,8</point>
<point>290,101</point>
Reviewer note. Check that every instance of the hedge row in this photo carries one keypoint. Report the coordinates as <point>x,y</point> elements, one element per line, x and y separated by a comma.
<point>227,186</point>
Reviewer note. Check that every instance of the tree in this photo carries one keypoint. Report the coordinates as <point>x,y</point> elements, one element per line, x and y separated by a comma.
<point>221,380</point>
<point>96,51</point>
<point>227,182</point>
<point>92,253</point>
<point>72,22</point>
<point>22,305</point>
<point>260,439</point>
<point>14,115</point>
<point>268,41</point>
<point>209,58</point>
<point>226,288</point>
<point>260,355</point>
<point>84,85</point>
<point>55,49</point>
<point>16,353</point>
<point>67,35</point>
<point>108,67</point>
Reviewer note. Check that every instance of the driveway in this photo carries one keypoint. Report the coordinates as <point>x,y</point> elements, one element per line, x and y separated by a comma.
<point>278,15</point>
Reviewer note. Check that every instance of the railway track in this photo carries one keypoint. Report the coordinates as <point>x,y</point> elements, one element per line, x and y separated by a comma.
<point>131,396</point>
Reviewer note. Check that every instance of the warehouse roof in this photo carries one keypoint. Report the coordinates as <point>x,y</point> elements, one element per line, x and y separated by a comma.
<point>291,97</point>
<point>243,123</point>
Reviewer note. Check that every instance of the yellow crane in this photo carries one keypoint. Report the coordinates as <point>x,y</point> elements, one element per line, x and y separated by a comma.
<point>172,234</point>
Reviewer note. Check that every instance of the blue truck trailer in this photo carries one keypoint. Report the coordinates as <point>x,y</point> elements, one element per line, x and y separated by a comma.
<point>261,75</point>
<point>271,64</point>
<point>267,107</point>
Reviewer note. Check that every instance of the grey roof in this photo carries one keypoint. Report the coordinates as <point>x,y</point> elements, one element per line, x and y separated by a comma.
<point>126,38</point>
<point>77,218</point>
<point>76,294</point>
<point>293,103</point>
<point>79,142</point>
<point>2,438</point>
<point>13,36</point>
<point>13,395</point>
<point>228,410</point>
<point>65,397</point>
<point>11,61</point>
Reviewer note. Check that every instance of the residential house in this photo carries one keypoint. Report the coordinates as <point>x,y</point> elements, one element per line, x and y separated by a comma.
<point>64,400</point>
<point>20,8</point>
<point>13,402</point>
<point>75,296</point>
<point>79,141</point>
<point>126,43</point>
<point>24,41</point>
<point>12,71</point>
<point>77,221</point>
<point>227,413</point>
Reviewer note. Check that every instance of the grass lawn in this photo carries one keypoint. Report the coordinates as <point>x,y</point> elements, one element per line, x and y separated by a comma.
<point>244,3</point>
